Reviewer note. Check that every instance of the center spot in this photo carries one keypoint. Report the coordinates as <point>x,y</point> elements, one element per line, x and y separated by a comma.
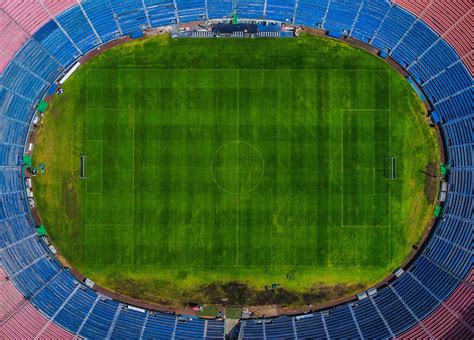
<point>237,167</point>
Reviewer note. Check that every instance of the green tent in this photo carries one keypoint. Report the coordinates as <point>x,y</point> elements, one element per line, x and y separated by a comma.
<point>445,169</point>
<point>42,106</point>
<point>27,161</point>
<point>41,230</point>
<point>235,19</point>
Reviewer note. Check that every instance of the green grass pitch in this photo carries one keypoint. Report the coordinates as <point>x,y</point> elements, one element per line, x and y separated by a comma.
<point>216,162</point>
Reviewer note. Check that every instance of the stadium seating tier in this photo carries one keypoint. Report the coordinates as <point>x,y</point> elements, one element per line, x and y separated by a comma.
<point>430,38</point>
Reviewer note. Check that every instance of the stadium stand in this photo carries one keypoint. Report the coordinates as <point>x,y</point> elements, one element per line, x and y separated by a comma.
<point>220,8</point>
<point>191,10</point>
<point>311,13</point>
<point>451,20</point>
<point>19,319</point>
<point>252,9</point>
<point>130,15</point>
<point>431,39</point>
<point>101,19</point>
<point>161,12</point>
<point>12,37</point>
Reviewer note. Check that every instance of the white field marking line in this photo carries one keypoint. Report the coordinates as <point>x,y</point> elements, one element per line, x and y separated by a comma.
<point>101,169</point>
<point>109,225</point>
<point>238,172</point>
<point>332,172</point>
<point>240,69</point>
<point>142,167</point>
<point>101,162</point>
<point>101,166</point>
<point>301,70</point>
<point>133,175</point>
<point>365,226</point>
<point>342,166</point>
<point>85,191</point>
<point>108,109</point>
<point>240,265</point>
<point>389,184</point>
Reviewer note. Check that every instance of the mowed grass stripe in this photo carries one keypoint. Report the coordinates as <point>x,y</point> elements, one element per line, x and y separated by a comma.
<point>365,145</point>
<point>312,116</point>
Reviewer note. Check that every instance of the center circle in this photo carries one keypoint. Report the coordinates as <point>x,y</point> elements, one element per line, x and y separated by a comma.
<point>237,167</point>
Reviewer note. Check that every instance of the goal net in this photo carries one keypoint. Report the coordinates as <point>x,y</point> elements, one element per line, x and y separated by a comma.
<point>391,167</point>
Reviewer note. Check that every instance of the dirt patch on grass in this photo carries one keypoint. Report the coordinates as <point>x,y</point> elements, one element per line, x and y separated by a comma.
<point>55,112</point>
<point>237,293</point>
<point>323,293</point>
<point>70,206</point>
<point>231,293</point>
<point>133,288</point>
<point>431,182</point>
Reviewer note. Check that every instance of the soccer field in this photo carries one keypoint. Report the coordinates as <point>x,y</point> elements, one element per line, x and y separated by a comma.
<point>211,163</point>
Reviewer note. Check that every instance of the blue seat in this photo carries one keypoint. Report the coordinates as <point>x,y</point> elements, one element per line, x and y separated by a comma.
<point>102,18</point>
<point>435,59</point>
<point>281,327</point>
<point>130,15</point>
<point>448,82</point>
<point>34,277</point>
<point>215,329</point>
<point>252,329</point>
<point>15,106</point>
<point>160,325</point>
<point>281,10</point>
<point>100,319</point>
<point>456,106</point>
<point>12,131</point>
<point>129,324</point>
<point>311,12</point>
<point>417,40</point>
<point>56,43</point>
<point>340,323</point>
<point>188,327</point>
<point>78,28</point>
<point>420,302</point>
<point>51,298</point>
<point>21,81</point>
<point>310,326</point>
<point>397,316</point>
<point>393,28</point>
<point>11,229</point>
<point>437,281</point>
<point>35,58</point>
<point>341,15</point>
<point>191,10</point>
<point>21,255</point>
<point>161,12</point>
<point>76,309</point>
<point>220,9</point>
<point>251,9</point>
<point>370,322</point>
<point>369,20</point>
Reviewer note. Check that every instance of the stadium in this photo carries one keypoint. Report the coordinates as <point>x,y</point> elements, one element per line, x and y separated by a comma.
<point>236,169</point>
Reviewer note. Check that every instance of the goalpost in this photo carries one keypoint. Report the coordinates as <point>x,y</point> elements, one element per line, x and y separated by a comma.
<point>390,167</point>
<point>83,166</point>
